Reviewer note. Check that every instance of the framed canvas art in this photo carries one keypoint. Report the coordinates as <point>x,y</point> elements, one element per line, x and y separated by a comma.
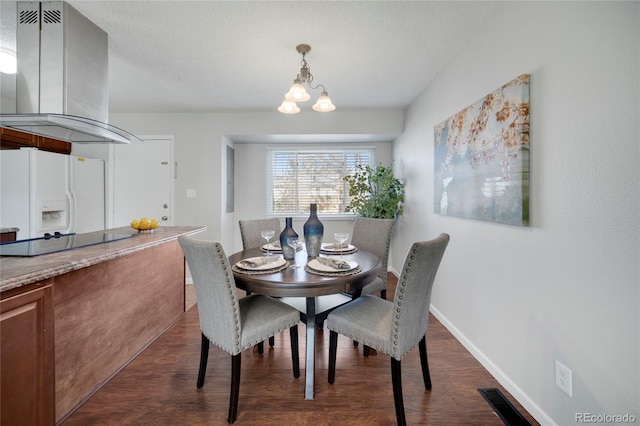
<point>481,158</point>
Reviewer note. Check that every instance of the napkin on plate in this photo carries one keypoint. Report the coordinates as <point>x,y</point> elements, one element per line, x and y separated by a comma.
<point>272,246</point>
<point>254,262</point>
<point>336,246</point>
<point>334,263</point>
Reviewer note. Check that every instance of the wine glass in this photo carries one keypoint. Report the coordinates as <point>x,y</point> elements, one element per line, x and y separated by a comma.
<point>268,234</point>
<point>295,245</point>
<point>341,238</point>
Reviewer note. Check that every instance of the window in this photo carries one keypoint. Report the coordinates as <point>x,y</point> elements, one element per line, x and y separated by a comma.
<point>299,177</point>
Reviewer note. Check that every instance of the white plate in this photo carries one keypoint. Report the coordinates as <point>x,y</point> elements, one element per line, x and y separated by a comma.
<point>321,267</point>
<point>264,263</point>
<point>330,247</point>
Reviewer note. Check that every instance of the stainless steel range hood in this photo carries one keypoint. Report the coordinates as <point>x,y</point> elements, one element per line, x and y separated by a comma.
<point>62,79</point>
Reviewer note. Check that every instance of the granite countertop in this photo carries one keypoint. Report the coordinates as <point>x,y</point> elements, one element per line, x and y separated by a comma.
<point>19,271</point>
<point>7,230</point>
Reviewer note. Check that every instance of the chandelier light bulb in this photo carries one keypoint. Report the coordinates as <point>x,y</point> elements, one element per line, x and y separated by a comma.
<point>297,93</point>
<point>288,107</point>
<point>324,104</point>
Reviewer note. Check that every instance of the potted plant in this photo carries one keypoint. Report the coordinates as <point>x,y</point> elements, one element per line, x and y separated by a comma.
<point>375,192</point>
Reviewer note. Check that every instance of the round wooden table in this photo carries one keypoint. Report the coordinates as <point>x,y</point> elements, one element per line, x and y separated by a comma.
<point>292,283</point>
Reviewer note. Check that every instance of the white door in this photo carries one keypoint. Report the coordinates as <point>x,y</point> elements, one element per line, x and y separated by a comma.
<point>143,181</point>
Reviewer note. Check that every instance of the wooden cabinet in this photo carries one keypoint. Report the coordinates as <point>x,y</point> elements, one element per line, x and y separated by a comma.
<point>54,145</point>
<point>27,357</point>
<point>14,139</point>
<point>6,237</point>
<point>108,302</point>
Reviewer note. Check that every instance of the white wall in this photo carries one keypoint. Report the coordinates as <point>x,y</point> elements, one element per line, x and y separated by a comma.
<point>200,151</point>
<point>565,288</point>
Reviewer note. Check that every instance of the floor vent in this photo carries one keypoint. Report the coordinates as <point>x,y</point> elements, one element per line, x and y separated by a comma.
<point>503,408</point>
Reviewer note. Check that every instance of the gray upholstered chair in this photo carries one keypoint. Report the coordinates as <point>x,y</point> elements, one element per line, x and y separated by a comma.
<point>250,231</point>
<point>251,238</point>
<point>394,328</point>
<point>374,235</point>
<point>228,322</point>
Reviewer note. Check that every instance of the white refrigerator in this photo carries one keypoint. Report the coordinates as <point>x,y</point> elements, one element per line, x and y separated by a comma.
<point>44,192</point>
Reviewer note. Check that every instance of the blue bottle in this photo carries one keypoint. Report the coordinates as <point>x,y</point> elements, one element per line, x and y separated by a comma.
<point>288,232</point>
<point>313,232</point>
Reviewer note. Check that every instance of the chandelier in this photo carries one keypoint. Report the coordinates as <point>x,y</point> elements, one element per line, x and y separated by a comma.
<point>297,92</point>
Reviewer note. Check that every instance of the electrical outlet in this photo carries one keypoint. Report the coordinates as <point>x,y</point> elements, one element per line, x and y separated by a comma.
<point>564,379</point>
<point>191,193</point>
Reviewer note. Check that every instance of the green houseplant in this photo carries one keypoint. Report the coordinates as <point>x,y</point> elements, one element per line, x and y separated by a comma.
<point>375,192</point>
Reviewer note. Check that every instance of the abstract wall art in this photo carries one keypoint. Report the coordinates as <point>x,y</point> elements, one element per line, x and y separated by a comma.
<point>481,158</point>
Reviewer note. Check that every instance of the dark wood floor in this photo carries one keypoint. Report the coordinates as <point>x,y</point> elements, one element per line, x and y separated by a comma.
<point>159,386</point>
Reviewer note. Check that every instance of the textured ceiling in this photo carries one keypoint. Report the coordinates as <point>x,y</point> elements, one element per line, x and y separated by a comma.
<point>195,56</point>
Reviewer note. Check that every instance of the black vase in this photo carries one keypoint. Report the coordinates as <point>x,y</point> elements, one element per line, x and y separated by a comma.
<point>287,251</point>
<point>313,231</point>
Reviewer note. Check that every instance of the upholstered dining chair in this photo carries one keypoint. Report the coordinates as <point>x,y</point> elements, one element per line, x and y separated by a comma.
<point>374,235</point>
<point>250,231</point>
<point>228,322</point>
<point>250,235</point>
<point>394,328</point>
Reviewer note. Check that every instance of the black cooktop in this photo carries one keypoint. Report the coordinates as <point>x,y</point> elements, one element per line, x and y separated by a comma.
<point>58,242</point>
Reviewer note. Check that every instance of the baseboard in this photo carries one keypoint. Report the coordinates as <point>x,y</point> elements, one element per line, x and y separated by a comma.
<point>528,403</point>
<point>524,399</point>
<point>393,271</point>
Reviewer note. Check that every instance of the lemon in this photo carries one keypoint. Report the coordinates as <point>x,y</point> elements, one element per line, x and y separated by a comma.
<point>154,223</point>
<point>145,223</point>
<point>135,224</point>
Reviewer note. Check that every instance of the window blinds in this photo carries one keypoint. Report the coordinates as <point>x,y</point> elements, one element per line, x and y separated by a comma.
<point>297,178</point>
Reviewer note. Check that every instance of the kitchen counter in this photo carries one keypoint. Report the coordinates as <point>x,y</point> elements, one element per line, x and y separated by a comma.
<point>70,320</point>
<point>19,271</point>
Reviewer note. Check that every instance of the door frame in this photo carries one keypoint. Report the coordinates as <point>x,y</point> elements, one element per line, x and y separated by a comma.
<point>110,179</point>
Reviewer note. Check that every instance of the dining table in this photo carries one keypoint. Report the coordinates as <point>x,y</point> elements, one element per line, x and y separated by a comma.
<point>314,287</point>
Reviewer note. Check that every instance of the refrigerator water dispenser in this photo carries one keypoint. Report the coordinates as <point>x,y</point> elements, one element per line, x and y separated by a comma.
<point>54,216</point>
